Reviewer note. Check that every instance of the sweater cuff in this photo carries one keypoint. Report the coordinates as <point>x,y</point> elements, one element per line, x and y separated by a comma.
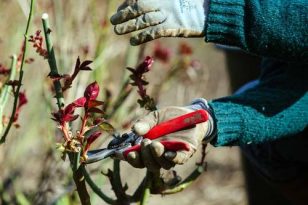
<point>229,122</point>
<point>225,23</point>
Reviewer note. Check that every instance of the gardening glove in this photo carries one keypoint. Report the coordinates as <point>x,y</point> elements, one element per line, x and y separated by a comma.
<point>153,154</point>
<point>170,18</point>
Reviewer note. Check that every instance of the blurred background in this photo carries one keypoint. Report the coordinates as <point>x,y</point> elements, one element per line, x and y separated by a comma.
<point>31,169</point>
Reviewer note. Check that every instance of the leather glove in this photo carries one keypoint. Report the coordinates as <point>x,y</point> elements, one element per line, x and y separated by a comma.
<point>153,154</point>
<point>170,18</point>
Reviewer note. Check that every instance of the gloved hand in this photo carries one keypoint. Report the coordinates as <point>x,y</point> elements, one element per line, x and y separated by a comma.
<point>153,154</point>
<point>170,18</point>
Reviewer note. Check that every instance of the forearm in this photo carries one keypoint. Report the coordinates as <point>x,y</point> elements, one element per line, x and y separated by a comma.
<point>272,28</point>
<point>260,115</point>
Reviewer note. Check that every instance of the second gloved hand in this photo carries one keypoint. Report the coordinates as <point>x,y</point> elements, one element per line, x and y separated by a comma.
<point>153,154</point>
<point>171,18</point>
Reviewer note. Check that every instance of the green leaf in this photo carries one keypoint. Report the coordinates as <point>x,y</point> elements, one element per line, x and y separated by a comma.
<point>107,127</point>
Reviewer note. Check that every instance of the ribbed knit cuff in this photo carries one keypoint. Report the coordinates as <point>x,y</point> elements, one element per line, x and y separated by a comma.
<point>201,103</point>
<point>229,124</point>
<point>225,22</point>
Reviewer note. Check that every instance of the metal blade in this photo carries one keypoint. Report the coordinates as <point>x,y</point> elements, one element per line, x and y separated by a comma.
<point>100,154</point>
<point>115,147</point>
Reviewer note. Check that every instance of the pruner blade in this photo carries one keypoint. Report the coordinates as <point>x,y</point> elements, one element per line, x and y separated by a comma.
<point>115,148</point>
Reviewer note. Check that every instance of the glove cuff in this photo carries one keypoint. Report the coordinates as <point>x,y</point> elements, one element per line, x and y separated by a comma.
<point>201,103</point>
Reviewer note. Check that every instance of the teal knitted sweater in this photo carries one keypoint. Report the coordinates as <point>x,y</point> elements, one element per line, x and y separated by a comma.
<point>278,106</point>
<point>272,28</point>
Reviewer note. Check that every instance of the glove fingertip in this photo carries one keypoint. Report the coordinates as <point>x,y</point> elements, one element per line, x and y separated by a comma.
<point>134,41</point>
<point>141,128</point>
<point>179,157</point>
<point>113,19</point>
<point>133,158</point>
<point>169,155</point>
<point>157,149</point>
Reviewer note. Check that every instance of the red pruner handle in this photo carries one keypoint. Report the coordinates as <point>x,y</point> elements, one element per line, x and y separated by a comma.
<point>176,124</point>
<point>169,145</point>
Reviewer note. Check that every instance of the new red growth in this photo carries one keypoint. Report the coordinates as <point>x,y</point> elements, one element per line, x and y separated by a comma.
<point>22,100</point>
<point>37,43</point>
<point>138,80</point>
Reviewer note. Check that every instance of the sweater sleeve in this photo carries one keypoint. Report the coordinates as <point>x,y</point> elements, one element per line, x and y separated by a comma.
<point>268,28</point>
<point>276,108</point>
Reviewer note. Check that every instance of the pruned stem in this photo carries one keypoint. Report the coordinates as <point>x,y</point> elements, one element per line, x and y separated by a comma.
<point>186,182</point>
<point>52,61</point>
<point>74,159</point>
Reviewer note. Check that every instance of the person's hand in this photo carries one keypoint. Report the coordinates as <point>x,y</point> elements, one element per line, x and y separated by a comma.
<point>171,18</point>
<point>153,154</point>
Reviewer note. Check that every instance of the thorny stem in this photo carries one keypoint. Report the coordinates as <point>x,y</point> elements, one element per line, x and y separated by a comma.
<point>94,187</point>
<point>21,73</point>
<point>79,180</point>
<point>119,190</point>
<point>52,61</point>
<point>77,171</point>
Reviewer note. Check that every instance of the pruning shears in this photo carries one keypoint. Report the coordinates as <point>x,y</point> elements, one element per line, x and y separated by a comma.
<point>119,147</point>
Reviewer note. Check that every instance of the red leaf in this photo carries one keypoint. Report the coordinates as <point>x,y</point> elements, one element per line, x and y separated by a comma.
<point>80,102</point>
<point>95,110</point>
<point>131,69</point>
<point>86,68</point>
<point>92,91</point>
<point>22,99</point>
<point>94,103</point>
<point>91,139</point>
<point>69,109</point>
<point>145,65</point>
<point>69,118</point>
<point>98,121</point>
<point>85,64</point>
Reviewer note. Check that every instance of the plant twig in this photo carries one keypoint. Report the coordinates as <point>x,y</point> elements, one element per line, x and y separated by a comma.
<point>77,171</point>
<point>79,180</point>
<point>94,187</point>
<point>119,190</point>
<point>201,167</point>
<point>21,73</point>
<point>186,182</point>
